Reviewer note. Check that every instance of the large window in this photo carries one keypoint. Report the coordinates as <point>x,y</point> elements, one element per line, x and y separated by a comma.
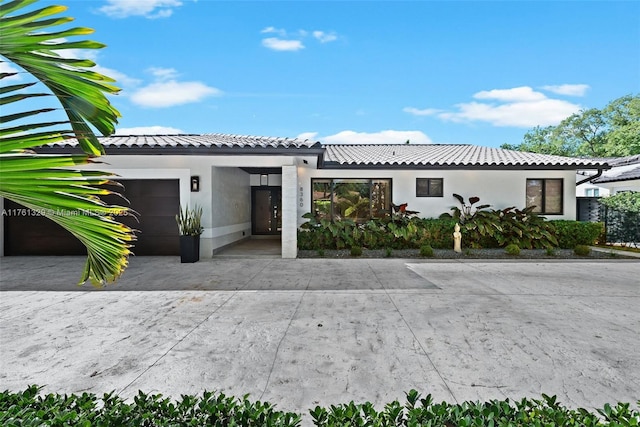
<point>545,195</point>
<point>429,187</point>
<point>357,199</point>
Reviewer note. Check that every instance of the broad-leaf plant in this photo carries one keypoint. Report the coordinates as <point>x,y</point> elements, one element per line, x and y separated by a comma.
<point>39,62</point>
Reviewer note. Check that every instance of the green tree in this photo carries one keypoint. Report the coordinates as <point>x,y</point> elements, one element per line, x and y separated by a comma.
<point>613,131</point>
<point>52,184</point>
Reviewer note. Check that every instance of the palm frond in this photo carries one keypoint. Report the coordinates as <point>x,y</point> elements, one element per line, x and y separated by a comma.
<point>56,186</point>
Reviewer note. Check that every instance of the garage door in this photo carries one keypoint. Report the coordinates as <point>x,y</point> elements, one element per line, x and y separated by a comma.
<point>156,201</point>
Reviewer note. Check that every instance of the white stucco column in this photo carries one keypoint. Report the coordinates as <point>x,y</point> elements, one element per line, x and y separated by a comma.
<point>289,211</point>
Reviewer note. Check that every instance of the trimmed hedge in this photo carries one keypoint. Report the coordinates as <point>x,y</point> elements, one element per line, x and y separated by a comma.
<point>573,233</point>
<point>32,408</point>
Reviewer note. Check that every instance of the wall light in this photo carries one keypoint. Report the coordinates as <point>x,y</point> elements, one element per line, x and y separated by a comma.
<point>264,179</point>
<point>195,184</point>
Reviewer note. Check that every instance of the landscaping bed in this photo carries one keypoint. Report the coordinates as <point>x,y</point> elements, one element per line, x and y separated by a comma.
<point>558,254</point>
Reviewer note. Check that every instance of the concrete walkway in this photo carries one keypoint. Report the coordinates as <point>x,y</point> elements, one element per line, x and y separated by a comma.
<point>305,332</point>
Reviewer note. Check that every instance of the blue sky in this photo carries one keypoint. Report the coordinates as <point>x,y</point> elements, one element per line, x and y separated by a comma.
<point>471,72</point>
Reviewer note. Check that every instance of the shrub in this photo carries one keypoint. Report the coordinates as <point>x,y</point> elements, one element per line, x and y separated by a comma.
<point>572,233</point>
<point>419,411</point>
<point>321,253</point>
<point>387,252</point>
<point>551,252</point>
<point>31,408</point>
<point>356,251</point>
<point>582,250</point>
<point>426,251</point>
<point>493,228</point>
<point>382,233</point>
<point>512,249</point>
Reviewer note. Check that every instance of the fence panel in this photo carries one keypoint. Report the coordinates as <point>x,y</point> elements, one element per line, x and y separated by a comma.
<point>621,227</point>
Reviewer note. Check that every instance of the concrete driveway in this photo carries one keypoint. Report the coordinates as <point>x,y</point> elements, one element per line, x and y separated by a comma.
<point>305,332</point>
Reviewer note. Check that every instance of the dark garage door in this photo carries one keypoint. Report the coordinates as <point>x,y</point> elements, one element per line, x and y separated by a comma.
<point>156,201</point>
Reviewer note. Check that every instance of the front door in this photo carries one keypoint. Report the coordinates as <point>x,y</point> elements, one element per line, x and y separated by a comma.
<point>266,214</point>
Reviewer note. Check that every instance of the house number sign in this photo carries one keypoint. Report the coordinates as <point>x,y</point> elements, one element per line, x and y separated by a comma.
<point>301,196</point>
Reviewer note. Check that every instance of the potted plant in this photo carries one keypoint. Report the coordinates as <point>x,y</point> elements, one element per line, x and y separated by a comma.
<point>190,227</point>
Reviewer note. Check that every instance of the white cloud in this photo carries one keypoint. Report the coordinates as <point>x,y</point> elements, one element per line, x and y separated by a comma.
<point>571,90</point>
<point>293,41</point>
<point>382,137</point>
<point>323,37</point>
<point>149,130</point>
<point>515,107</point>
<point>307,135</point>
<point>544,112</point>
<point>274,30</point>
<point>423,112</point>
<point>6,68</point>
<point>122,80</point>
<point>524,93</point>
<point>151,9</point>
<point>275,43</point>
<point>163,74</point>
<point>169,93</point>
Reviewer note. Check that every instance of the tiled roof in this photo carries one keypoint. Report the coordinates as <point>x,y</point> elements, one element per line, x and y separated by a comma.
<point>204,141</point>
<point>622,169</point>
<point>445,156</point>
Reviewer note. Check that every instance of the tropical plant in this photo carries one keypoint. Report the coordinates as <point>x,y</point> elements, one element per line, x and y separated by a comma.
<point>190,221</point>
<point>466,211</point>
<point>46,184</point>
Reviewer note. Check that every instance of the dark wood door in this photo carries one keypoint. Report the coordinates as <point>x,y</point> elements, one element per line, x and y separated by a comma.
<point>155,201</point>
<point>266,213</point>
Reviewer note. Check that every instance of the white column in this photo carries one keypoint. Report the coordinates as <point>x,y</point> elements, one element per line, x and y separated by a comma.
<point>289,211</point>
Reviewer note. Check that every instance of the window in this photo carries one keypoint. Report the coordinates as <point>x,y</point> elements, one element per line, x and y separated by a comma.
<point>429,187</point>
<point>357,199</point>
<point>592,192</point>
<point>545,195</point>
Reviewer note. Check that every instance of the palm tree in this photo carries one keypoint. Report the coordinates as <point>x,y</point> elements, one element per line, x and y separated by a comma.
<point>52,184</point>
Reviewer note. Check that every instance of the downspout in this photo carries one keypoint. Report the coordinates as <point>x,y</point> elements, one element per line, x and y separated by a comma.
<point>590,178</point>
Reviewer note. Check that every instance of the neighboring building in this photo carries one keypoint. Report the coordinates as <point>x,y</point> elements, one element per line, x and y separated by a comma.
<point>624,175</point>
<point>258,186</point>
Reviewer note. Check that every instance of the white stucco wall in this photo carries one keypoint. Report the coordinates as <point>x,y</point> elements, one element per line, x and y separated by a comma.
<point>500,189</point>
<point>230,206</point>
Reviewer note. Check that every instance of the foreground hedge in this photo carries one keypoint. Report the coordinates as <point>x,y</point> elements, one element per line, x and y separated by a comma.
<point>32,408</point>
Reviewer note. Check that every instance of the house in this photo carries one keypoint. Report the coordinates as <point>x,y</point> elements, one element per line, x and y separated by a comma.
<point>624,175</point>
<point>260,186</point>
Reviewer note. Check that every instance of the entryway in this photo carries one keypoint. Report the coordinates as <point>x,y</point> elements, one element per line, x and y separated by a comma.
<point>256,247</point>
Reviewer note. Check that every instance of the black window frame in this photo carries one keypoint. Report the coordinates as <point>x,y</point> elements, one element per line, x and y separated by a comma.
<point>370,181</point>
<point>543,210</point>
<point>428,187</point>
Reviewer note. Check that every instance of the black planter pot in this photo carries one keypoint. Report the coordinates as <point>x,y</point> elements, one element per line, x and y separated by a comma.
<point>189,249</point>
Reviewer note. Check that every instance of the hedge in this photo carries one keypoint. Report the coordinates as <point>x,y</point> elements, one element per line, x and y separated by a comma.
<point>30,408</point>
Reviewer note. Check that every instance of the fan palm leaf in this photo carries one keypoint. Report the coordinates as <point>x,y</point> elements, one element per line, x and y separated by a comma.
<point>57,186</point>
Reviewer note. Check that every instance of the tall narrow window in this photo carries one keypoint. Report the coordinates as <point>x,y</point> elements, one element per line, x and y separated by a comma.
<point>356,199</point>
<point>545,195</point>
<point>429,187</point>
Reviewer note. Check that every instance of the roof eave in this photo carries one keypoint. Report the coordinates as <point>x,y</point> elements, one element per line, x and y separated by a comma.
<point>336,165</point>
<point>191,151</point>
